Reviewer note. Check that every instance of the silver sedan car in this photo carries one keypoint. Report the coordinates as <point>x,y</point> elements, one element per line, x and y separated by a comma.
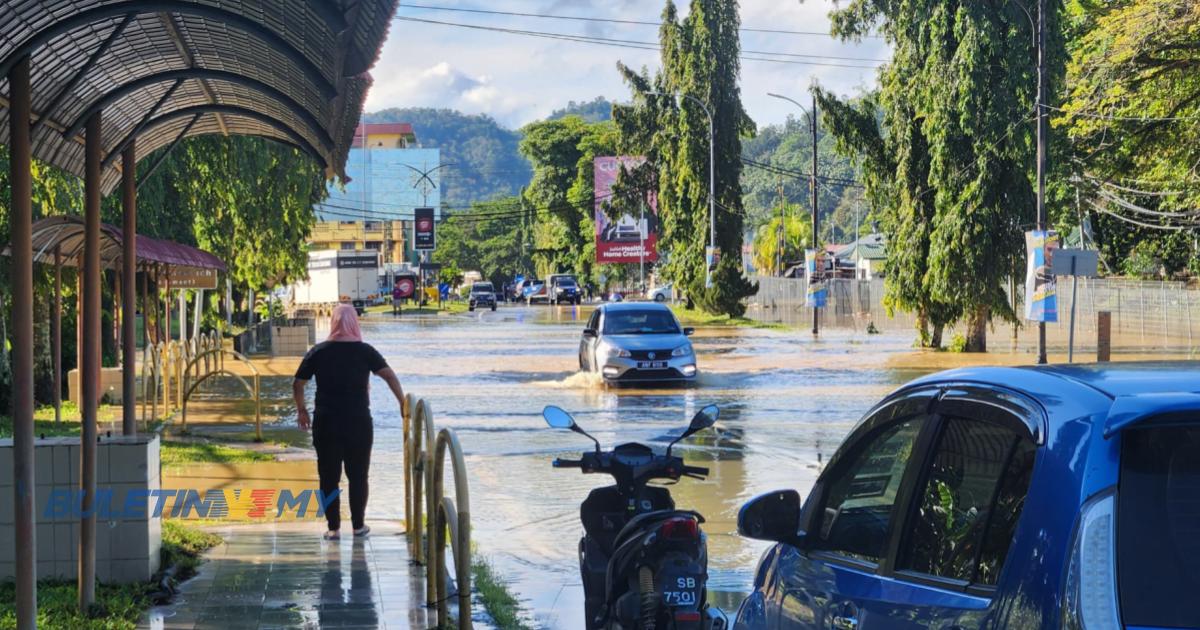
<point>637,342</point>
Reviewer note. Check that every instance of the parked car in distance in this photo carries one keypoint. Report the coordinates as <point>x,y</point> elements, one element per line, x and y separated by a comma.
<point>482,294</point>
<point>565,289</point>
<point>660,294</point>
<point>637,342</point>
<point>1034,498</point>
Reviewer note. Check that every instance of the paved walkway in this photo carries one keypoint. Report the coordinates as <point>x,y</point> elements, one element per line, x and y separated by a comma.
<point>283,575</point>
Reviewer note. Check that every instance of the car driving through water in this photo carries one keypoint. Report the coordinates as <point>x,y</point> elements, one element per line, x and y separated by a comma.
<point>1041,497</point>
<point>637,342</point>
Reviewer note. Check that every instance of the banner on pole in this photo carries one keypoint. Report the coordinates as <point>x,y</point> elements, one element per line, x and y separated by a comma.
<point>424,237</point>
<point>1041,288</point>
<point>634,236</point>
<point>817,294</point>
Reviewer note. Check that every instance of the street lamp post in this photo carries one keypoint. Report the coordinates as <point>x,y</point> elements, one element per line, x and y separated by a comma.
<point>712,181</point>
<point>813,181</point>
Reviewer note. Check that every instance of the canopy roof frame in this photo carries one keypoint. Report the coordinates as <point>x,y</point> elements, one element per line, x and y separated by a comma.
<point>299,65</point>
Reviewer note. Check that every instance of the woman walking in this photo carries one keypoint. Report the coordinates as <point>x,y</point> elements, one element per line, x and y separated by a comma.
<point>341,425</point>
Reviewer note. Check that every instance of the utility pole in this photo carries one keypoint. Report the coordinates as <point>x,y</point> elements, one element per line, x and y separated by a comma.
<point>1042,139</point>
<point>813,182</point>
<point>815,216</point>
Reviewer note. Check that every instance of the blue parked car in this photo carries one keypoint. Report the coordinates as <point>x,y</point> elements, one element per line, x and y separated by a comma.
<point>1041,497</point>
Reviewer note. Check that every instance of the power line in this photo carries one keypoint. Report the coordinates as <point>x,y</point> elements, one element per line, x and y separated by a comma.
<point>1146,119</point>
<point>637,45</point>
<point>580,18</point>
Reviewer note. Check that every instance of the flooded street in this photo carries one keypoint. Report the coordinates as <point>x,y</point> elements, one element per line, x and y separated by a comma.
<point>786,401</point>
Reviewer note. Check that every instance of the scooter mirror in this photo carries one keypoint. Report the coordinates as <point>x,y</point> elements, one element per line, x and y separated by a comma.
<point>558,418</point>
<point>704,418</point>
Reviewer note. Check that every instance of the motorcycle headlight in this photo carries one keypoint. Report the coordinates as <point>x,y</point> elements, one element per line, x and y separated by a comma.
<point>682,351</point>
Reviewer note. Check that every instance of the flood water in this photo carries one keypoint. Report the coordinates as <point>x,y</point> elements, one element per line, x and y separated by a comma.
<point>786,402</point>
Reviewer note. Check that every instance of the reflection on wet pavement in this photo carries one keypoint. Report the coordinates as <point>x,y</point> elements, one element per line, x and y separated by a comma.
<point>286,576</point>
<point>786,401</point>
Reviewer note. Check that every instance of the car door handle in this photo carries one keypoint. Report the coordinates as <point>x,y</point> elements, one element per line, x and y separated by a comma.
<point>845,623</point>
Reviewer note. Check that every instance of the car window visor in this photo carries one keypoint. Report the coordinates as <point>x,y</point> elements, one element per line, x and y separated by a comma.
<point>1177,408</point>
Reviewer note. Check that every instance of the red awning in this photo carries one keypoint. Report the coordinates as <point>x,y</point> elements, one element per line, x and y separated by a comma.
<point>66,233</point>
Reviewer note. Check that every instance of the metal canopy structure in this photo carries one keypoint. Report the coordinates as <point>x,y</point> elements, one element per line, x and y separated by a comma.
<point>85,82</point>
<point>65,234</point>
<point>293,71</point>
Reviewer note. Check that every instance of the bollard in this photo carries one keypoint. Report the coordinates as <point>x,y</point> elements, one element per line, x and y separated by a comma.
<point>1103,336</point>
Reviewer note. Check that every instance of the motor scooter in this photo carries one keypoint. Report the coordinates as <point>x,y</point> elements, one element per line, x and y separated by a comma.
<point>644,564</point>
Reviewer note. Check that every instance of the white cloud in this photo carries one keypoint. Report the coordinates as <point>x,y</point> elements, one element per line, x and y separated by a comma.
<point>517,79</point>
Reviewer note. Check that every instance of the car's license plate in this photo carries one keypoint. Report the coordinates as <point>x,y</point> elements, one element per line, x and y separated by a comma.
<point>652,365</point>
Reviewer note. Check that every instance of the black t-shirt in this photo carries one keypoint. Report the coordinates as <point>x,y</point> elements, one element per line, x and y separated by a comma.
<point>342,369</point>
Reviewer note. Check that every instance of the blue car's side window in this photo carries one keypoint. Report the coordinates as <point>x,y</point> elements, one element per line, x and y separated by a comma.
<point>969,502</point>
<point>857,510</point>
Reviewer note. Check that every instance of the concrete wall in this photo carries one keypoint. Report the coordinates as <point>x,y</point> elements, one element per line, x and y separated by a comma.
<point>110,383</point>
<point>127,548</point>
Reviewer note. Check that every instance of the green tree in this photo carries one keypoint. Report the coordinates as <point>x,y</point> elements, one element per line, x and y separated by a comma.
<point>1131,115</point>
<point>491,237</point>
<point>789,229</point>
<point>252,205</point>
<point>700,60</point>
<point>562,191</point>
<point>957,98</point>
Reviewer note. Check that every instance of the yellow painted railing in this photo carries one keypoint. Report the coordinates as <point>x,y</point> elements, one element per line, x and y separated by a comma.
<point>425,455</point>
<point>163,372</point>
<point>215,356</point>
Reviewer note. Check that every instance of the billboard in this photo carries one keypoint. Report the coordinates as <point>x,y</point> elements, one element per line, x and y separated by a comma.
<point>630,239</point>
<point>1041,299</point>
<point>423,229</point>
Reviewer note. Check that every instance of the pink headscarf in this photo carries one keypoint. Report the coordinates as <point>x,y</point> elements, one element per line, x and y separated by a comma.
<point>343,325</point>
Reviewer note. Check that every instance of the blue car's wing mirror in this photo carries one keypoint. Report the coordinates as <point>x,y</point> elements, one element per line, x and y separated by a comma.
<point>774,516</point>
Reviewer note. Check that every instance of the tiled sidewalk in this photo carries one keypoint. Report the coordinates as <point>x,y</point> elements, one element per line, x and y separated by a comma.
<point>283,575</point>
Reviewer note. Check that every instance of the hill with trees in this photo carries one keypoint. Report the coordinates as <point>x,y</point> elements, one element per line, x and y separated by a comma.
<point>486,163</point>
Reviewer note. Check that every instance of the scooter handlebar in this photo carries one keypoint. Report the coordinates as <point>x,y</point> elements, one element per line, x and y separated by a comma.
<point>567,463</point>
<point>695,470</point>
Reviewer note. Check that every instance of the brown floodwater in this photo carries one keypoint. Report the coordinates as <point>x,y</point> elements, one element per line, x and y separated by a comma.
<point>786,401</point>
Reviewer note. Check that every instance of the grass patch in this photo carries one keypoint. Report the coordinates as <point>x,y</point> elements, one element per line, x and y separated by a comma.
<point>180,453</point>
<point>459,306</point>
<point>281,437</point>
<point>43,420</point>
<point>117,607</point>
<point>182,546</point>
<point>497,600</point>
<point>696,317</point>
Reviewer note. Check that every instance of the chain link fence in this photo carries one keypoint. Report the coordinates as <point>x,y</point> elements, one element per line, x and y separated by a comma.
<point>1147,316</point>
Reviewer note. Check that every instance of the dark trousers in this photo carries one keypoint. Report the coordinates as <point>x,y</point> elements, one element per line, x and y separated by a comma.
<point>348,445</point>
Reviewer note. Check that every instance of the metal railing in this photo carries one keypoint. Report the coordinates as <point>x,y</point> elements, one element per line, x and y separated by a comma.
<point>163,372</point>
<point>1146,314</point>
<point>216,355</point>
<point>424,478</point>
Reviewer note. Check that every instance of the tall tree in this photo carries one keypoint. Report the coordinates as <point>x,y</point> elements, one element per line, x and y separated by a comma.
<point>561,192</point>
<point>249,201</point>
<point>699,60</point>
<point>958,98</point>
<point>1131,115</point>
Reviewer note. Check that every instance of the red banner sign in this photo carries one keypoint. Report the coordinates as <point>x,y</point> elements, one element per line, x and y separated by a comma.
<point>633,237</point>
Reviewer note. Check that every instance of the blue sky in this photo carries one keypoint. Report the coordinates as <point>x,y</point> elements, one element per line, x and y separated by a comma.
<point>518,78</point>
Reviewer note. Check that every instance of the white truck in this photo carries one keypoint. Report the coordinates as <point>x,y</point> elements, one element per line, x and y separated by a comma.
<point>339,276</point>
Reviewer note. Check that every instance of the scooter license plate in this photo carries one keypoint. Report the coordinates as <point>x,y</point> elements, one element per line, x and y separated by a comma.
<point>652,365</point>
